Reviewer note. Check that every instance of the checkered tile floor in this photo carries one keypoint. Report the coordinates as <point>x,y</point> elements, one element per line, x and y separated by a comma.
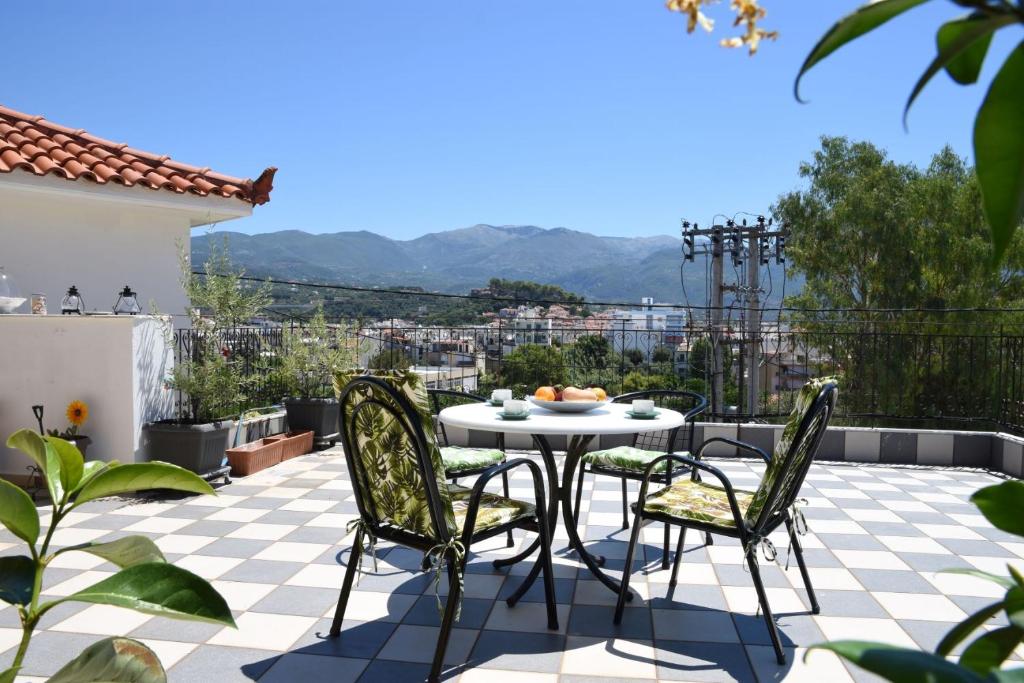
<point>274,545</point>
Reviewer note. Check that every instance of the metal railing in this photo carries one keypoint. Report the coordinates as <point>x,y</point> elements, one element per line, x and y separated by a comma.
<point>914,375</point>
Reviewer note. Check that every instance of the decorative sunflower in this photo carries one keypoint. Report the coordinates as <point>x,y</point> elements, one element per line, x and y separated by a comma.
<point>77,413</point>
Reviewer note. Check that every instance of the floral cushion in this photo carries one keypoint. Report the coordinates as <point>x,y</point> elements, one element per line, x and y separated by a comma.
<point>629,458</point>
<point>781,465</point>
<point>458,459</point>
<point>697,501</point>
<point>494,510</point>
<point>394,481</point>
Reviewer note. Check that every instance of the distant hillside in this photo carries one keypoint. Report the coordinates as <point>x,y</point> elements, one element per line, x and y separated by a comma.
<point>598,267</point>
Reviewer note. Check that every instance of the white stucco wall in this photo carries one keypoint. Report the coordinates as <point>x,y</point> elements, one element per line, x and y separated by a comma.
<point>116,364</point>
<point>55,233</point>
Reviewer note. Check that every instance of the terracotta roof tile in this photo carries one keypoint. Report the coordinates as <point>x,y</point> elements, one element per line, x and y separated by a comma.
<point>41,147</point>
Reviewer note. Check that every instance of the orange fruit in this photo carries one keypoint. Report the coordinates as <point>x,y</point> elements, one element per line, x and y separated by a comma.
<point>544,394</point>
<point>601,394</point>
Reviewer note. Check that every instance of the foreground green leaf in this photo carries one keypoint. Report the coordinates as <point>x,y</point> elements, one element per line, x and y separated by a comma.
<point>899,664</point>
<point>124,552</point>
<point>1003,581</point>
<point>989,651</point>
<point>142,477</point>
<point>113,660</point>
<point>965,67</point>
<point>160,589</point>
<point>31,444</point>
<point>999,158</point>
<point>17,574</point>
<point>9,675</point>
<point>1003,504</point>
<point>961,631</point>
<point>962,44</point>
<point>18,512</point>
<point>71,461</point>
<point>91,469</point>
<point>1014,605</point>
<point>45,458</point>
<point>862,20</point>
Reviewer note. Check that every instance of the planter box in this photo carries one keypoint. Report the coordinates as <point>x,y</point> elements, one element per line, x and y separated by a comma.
<point>199,448</point>
<point>255,428</point>
<point>255,456</point>
<point>293,444</point>
<point>320,415</point>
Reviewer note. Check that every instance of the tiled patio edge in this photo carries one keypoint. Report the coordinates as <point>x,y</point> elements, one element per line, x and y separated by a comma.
<point>995,451</point>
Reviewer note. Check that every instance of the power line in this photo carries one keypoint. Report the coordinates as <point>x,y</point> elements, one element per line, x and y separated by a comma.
<point>610,304</point>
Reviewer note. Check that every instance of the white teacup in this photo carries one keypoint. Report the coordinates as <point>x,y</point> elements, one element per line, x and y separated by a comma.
<point>515,407</point>
<point>501,395</point>
<point>643,406</point>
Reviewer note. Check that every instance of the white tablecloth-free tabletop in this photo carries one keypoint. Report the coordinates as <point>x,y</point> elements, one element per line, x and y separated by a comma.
<point>608,419</point>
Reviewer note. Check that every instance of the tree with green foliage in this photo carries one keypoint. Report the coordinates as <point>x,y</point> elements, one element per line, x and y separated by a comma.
<point>870,233</point>
<point>529,366</point>
<point>211,374</point>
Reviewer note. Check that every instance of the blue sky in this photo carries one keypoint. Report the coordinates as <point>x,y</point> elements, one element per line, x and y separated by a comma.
<point>405,118</point>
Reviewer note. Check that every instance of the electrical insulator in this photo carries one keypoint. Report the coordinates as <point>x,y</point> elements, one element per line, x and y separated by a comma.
<point>780,249</point>
<point>763,248</point>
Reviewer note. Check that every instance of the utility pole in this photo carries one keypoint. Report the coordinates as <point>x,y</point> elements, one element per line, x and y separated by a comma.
<point>717,304</point>
<point>760,240</point>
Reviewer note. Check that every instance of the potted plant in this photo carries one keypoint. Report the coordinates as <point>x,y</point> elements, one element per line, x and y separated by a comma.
<point>311,356</point>
<point>77,413</point>
<point>209,376</point>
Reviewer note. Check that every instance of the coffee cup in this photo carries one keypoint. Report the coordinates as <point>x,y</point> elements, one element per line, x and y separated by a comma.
<point>643,407</point>
<point>515,407</point>
<point>499,395</point>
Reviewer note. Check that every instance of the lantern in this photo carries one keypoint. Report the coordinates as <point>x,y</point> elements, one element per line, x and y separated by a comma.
<point>72,302</point>
<point>127,303</point>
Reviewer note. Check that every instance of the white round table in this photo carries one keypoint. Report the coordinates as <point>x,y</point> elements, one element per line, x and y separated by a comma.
<point>580,428</point>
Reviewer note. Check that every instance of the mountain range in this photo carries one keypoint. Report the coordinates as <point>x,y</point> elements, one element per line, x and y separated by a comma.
<point>598,267</point>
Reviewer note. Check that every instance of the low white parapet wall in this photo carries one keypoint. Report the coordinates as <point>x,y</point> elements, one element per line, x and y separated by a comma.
<point>116,364</point>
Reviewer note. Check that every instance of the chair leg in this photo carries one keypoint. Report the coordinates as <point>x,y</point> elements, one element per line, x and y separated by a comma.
<point>766,611</point>
<point>346,585</point>
<point>625,504</point>
<point>509,542</point>
<point>708,539</point>
<point>666,542</point>
<point>679,555</point>
<point>799,552</point>
<point>447,621</point>
<point>579,494</point>
<point>549,572</point>
<point>627,569</point>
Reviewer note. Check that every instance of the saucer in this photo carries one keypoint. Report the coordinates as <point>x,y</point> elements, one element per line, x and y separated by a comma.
<point>509,416</point>
<point>642,416</point>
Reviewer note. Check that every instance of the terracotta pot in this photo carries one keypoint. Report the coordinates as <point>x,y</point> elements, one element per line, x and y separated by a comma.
<point>254,456</point>
<point>294,444</point>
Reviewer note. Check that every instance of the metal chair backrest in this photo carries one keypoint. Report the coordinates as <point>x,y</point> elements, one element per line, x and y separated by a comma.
<point>676,440</point>
<point>392,456</point>
<point>444,398</point>
<point>794,454</point>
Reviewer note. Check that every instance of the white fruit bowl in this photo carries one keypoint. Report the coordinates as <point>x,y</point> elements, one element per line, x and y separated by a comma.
<point>567,406</point>
<point>8,304</point>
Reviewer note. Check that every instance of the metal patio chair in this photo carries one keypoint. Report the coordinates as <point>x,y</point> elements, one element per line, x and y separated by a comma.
<point>403,497</point>
<point>462,461</point>
<point>747,515</point>
<point>629,462</point>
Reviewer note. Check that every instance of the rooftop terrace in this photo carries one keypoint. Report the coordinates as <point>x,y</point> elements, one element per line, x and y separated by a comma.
<point>274,544</point>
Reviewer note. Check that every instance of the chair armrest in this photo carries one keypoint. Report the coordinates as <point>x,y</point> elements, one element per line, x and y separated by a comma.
<point>733,442</point>
<point>490,473</point>
<point>737,514</point>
